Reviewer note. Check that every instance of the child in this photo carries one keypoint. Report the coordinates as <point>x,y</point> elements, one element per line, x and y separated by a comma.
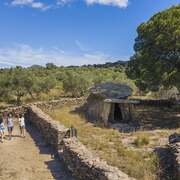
<point>22,125</point>
<point>2,128</point>
<point>5,116</point>
<point>10,125</point>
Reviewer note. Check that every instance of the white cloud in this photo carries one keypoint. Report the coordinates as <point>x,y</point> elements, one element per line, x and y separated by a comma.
<point>39,4</point>
<point>25,55</point>
<point>81,46</point>
<point>119,3</point>
<point>63,2</point>
<point>31,3</point>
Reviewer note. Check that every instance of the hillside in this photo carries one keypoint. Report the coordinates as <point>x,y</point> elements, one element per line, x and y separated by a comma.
<point>52,82</point>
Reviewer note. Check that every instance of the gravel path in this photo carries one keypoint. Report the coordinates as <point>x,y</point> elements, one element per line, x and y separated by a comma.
<point>29,159</point>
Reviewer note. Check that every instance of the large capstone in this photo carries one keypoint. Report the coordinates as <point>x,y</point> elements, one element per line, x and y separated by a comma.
<point>112,90</point>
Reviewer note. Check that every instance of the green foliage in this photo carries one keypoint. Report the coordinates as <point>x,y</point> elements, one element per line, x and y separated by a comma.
<point>156,62</point>
<point>75,84</point>
<point>50,82</point>
<point>50,66</point>
<point>18,82</point>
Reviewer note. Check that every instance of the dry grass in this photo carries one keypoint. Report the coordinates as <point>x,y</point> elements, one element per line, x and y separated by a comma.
<point>3,105</point>
<point>142,140</point>
<point>107,144</point>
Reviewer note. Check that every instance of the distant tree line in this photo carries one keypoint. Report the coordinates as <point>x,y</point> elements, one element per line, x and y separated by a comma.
<point>18,83</point>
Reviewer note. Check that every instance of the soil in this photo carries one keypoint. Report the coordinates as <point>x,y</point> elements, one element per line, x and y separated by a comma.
<point>29,158</point>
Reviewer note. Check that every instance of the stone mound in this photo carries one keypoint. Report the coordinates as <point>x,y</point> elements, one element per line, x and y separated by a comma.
<point>111,90</point>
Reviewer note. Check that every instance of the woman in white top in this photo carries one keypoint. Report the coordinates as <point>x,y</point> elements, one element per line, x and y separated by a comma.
<point>2,128</point>
<point>10,125</point>
<point>22,125</point>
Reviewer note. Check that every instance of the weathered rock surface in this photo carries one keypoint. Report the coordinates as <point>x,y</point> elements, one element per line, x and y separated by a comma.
<point>174,144</point>
<point>111,90</point>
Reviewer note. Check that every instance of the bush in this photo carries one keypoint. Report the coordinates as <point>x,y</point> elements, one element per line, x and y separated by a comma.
<point>75,84</point>
<point>141,140</point>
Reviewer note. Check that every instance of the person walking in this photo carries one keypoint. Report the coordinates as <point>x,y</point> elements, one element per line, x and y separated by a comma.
<point>10,125</point>
<point>2,128</point>
<point>22,125</point>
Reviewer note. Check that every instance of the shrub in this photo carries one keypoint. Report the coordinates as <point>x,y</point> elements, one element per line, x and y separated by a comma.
<point>141,140</point>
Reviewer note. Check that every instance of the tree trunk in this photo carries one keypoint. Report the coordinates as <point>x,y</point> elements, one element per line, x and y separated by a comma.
<point>30,93</point>
<point>18,100</point>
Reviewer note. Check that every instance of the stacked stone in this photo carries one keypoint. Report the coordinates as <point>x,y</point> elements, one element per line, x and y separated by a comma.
<point>50,129</point>
<point>59,103</point>
<point>174,144</point>
<point>85,165</point>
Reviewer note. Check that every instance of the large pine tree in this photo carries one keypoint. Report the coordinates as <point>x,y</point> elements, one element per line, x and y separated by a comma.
<point>156,61</point>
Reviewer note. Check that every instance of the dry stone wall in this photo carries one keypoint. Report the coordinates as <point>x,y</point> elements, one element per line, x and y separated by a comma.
<point>59,103</point>
<point>79,160</point>
<point>85,165</point>
<point>174,145</point>
<point>50,129</point>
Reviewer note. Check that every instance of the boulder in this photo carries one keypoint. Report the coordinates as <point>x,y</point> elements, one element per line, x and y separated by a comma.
<point>111,90</point>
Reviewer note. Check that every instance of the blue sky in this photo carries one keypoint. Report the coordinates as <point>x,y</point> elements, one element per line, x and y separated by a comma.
<point>71,32</point>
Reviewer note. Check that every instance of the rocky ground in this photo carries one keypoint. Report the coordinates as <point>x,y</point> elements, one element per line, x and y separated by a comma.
<point>29,158</point>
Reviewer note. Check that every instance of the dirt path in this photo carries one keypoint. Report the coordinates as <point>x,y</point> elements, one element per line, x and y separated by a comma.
<point>29,159</point>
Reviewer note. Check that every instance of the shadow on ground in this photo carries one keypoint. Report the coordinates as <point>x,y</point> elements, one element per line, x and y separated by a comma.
<point>56,165</point>
<point>166,169</point>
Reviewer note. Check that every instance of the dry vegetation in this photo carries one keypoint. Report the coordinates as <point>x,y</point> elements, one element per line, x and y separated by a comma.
<point>142,140</point>
<point>108,145</point>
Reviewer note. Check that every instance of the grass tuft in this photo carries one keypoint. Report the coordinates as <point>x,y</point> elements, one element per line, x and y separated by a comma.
<point>142,140</point>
